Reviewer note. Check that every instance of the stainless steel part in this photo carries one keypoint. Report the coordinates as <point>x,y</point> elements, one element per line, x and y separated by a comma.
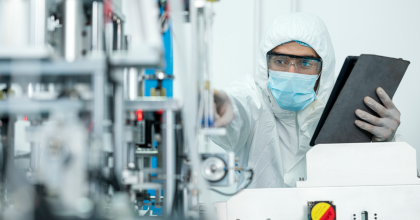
<point>35,157</point>
<point>215,175</point>
<point>131,83</point>
<point>38,15</point>
<point>73,25</point>
<point>27,106</point>
<point>119,40</point>
<point>152,104</point>
<point>119,140</point>
<point>213,169</point>
<point>97,27</point>
<point>169,162</point>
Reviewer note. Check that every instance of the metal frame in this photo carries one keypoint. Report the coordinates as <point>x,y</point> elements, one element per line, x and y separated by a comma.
<point>93,68</point>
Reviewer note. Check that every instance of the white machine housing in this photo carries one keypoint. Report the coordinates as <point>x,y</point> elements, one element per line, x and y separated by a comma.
<point>378,178</point>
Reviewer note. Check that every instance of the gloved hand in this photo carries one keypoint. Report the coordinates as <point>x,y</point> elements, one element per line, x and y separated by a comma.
<point>383,128</point>
<point>223,109</point>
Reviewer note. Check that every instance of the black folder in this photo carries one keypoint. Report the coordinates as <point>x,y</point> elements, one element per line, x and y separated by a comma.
<point>359,77</point>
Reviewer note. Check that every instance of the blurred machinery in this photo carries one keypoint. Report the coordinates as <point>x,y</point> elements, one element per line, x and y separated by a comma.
<point>89,126</point>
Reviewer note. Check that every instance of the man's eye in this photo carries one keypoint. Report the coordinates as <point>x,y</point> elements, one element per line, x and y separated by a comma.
<point>306,64</point>
<point>280,62</point>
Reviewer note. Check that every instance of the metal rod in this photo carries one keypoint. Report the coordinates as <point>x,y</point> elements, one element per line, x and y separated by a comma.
<point>34,157</point>
<point>119,34</point>
<point>118,130</point>
<point>38,22</point>
<point>97,26</point>
<point>169,162</point>
<point>131,156</point>
<point>71,8</point>
<point>99,104</point>
<point>133,84</point>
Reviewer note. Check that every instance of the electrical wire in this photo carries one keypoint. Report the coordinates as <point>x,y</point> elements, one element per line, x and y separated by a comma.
<point>232,194</point>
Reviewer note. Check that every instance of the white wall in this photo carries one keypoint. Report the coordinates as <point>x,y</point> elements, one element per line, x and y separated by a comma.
<point>382,27</point>
<point>234,36</point>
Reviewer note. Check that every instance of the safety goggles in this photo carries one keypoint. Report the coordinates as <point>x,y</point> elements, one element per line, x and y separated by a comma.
<point>303,65</point>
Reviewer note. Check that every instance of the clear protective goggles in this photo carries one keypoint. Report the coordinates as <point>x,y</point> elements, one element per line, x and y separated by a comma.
<point>303,65</point>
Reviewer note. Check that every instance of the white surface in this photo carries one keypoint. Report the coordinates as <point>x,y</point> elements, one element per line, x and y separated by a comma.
<point>14,23</point>
<point>233,28</point>
<point>221,209</point>
<point>388,202</point>
<point>367,164</point>
<point>24,53</point>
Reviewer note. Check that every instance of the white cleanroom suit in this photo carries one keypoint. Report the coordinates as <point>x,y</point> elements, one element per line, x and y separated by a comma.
<point>270,140</point>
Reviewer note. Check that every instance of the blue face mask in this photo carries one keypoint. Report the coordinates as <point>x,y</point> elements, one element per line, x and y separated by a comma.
<point>292,91</point>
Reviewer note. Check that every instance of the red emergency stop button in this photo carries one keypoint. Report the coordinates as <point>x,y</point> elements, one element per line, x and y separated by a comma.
<point>323,211</point>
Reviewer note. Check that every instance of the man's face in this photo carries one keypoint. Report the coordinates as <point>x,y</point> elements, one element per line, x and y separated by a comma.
<point>293,48</point>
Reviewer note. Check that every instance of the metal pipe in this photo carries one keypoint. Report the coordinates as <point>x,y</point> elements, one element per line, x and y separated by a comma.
<point>191,96</point>
<point>119,35</point>
<point>99,104</point>
<point>34,158</point>
<point>169,161</point>
<point>131,155</point>
<point>38,19</point>
<point>118,131</point>
<point>97,26</point>
<point>210,59</point>
<point>71,28</point>
<point>109,37</point>
<point>131,84</point>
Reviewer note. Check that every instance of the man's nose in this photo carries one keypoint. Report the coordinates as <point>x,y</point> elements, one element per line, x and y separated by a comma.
<point>292,68</point>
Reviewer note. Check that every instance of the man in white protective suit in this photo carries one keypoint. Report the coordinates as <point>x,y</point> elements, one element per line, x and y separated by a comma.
<point>270,118</point>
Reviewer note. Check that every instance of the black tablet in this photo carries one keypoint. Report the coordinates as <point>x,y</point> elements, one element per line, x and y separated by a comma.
<point>359,77</point>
